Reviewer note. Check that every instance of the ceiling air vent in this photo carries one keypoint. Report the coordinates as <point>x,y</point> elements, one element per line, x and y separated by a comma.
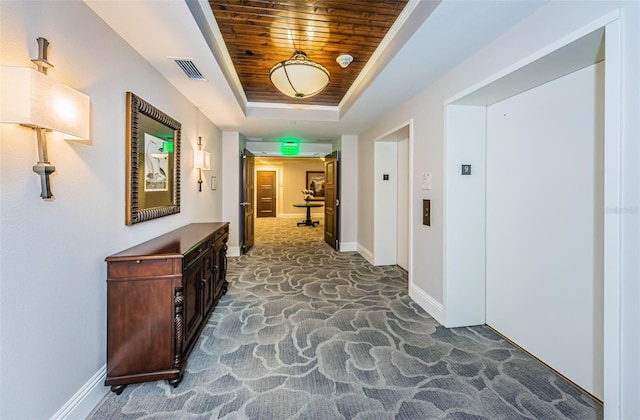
<point>189,69</point>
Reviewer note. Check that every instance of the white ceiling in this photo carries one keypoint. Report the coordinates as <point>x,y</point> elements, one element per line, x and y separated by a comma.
<point>161,30</point>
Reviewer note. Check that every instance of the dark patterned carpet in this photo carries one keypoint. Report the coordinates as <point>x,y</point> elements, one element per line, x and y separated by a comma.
<point>309,333</point>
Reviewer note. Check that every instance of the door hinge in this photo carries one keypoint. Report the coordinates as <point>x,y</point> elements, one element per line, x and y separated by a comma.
<point>337,202</point>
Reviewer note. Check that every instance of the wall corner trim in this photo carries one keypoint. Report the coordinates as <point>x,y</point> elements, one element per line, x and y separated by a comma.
<point>86,399</point>
<point>366,254</point>
<point>428,303</point>
<point>348,246</point>
<point>233,251</point>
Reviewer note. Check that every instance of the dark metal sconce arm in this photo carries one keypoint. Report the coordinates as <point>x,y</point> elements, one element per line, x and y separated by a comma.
<point>43,168</point>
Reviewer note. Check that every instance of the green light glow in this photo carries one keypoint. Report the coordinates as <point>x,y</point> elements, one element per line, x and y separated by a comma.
<point>167,147</point>
<point>290,148</point>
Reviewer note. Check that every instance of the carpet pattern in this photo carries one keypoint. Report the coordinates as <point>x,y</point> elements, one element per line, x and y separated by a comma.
<point>309,333</point>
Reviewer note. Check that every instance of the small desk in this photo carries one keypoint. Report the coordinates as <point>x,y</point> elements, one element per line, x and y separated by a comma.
<point>308,205</point>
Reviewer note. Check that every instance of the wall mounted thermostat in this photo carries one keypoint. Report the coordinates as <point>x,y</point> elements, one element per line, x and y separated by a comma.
<point>466,169</point>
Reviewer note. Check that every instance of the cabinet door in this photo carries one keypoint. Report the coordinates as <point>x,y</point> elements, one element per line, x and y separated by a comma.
<point>220,251</point>
<point>209,288</point>
<point>192,281</point>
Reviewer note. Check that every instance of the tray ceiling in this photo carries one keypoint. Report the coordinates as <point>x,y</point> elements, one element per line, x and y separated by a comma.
<point>259,34</point>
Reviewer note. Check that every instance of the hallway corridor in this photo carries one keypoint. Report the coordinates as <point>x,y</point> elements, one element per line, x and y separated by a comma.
<point>309,333</point>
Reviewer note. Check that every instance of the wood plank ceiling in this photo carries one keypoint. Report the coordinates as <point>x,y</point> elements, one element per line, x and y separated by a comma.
<point>260,33</point>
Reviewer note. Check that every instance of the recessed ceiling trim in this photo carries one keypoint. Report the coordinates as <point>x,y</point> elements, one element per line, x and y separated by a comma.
<point>205,20</point>
<point>410,19</point>
<point>292,111</point>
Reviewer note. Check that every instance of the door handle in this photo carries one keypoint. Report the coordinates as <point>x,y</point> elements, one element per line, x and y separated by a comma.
<point>244,204</point>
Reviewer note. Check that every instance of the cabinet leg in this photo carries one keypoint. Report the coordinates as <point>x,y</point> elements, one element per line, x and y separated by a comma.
<point>224,287</point>
<point>118,389</point>
<point>174,382</point>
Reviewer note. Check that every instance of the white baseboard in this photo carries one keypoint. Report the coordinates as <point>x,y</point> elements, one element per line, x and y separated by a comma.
<point>86,399</point>
<point>233,251</point>
<point>348,246</point>
<point>428,303</point>
<point>368,255</point>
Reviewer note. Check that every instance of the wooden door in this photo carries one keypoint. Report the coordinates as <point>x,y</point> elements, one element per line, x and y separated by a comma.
<point>248,165</point>
<point>331,201</point>
<point>266,188</point>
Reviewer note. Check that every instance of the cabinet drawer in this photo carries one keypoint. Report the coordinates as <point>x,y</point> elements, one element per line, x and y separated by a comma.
<point>140,268</point>
<point>193,255</point>
<point>220,233</point>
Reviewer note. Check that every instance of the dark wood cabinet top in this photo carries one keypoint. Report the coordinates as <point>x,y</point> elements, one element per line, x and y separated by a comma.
<point>172,244</point>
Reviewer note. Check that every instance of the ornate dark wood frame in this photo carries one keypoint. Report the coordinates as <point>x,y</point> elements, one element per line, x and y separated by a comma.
<point>134,214</point>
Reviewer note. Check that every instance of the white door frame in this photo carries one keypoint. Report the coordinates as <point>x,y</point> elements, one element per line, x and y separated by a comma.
<point>384,235</point>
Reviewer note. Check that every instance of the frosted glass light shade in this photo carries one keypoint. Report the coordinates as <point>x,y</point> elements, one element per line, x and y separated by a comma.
<point>299,77</point>
<point>33,98</point>
<point>202,160</point>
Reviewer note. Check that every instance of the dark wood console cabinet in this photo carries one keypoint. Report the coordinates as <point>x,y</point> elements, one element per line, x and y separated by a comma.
<point>159,296</point>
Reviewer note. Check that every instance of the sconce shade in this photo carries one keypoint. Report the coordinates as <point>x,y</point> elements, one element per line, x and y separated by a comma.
<point>202,160</point>
<point>35,99</point>
<point>299,77</point>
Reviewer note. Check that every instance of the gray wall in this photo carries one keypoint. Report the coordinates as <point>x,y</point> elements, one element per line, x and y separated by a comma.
<point>53,293</point>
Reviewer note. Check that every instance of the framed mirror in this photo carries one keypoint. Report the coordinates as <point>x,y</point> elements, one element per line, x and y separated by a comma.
<point>153,162</point>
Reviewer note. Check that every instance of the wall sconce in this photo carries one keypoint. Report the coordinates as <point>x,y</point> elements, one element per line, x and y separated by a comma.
<point>33,99</point>
<point>201,161</point>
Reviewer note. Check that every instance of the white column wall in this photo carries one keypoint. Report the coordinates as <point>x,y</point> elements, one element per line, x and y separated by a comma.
<point>231,188</point>
<point>402,204</point>
<point>348,193</point>
<point>464,302</point>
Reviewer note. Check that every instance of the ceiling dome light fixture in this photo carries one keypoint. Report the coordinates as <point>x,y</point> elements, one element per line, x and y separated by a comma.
<point>299,77</point>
